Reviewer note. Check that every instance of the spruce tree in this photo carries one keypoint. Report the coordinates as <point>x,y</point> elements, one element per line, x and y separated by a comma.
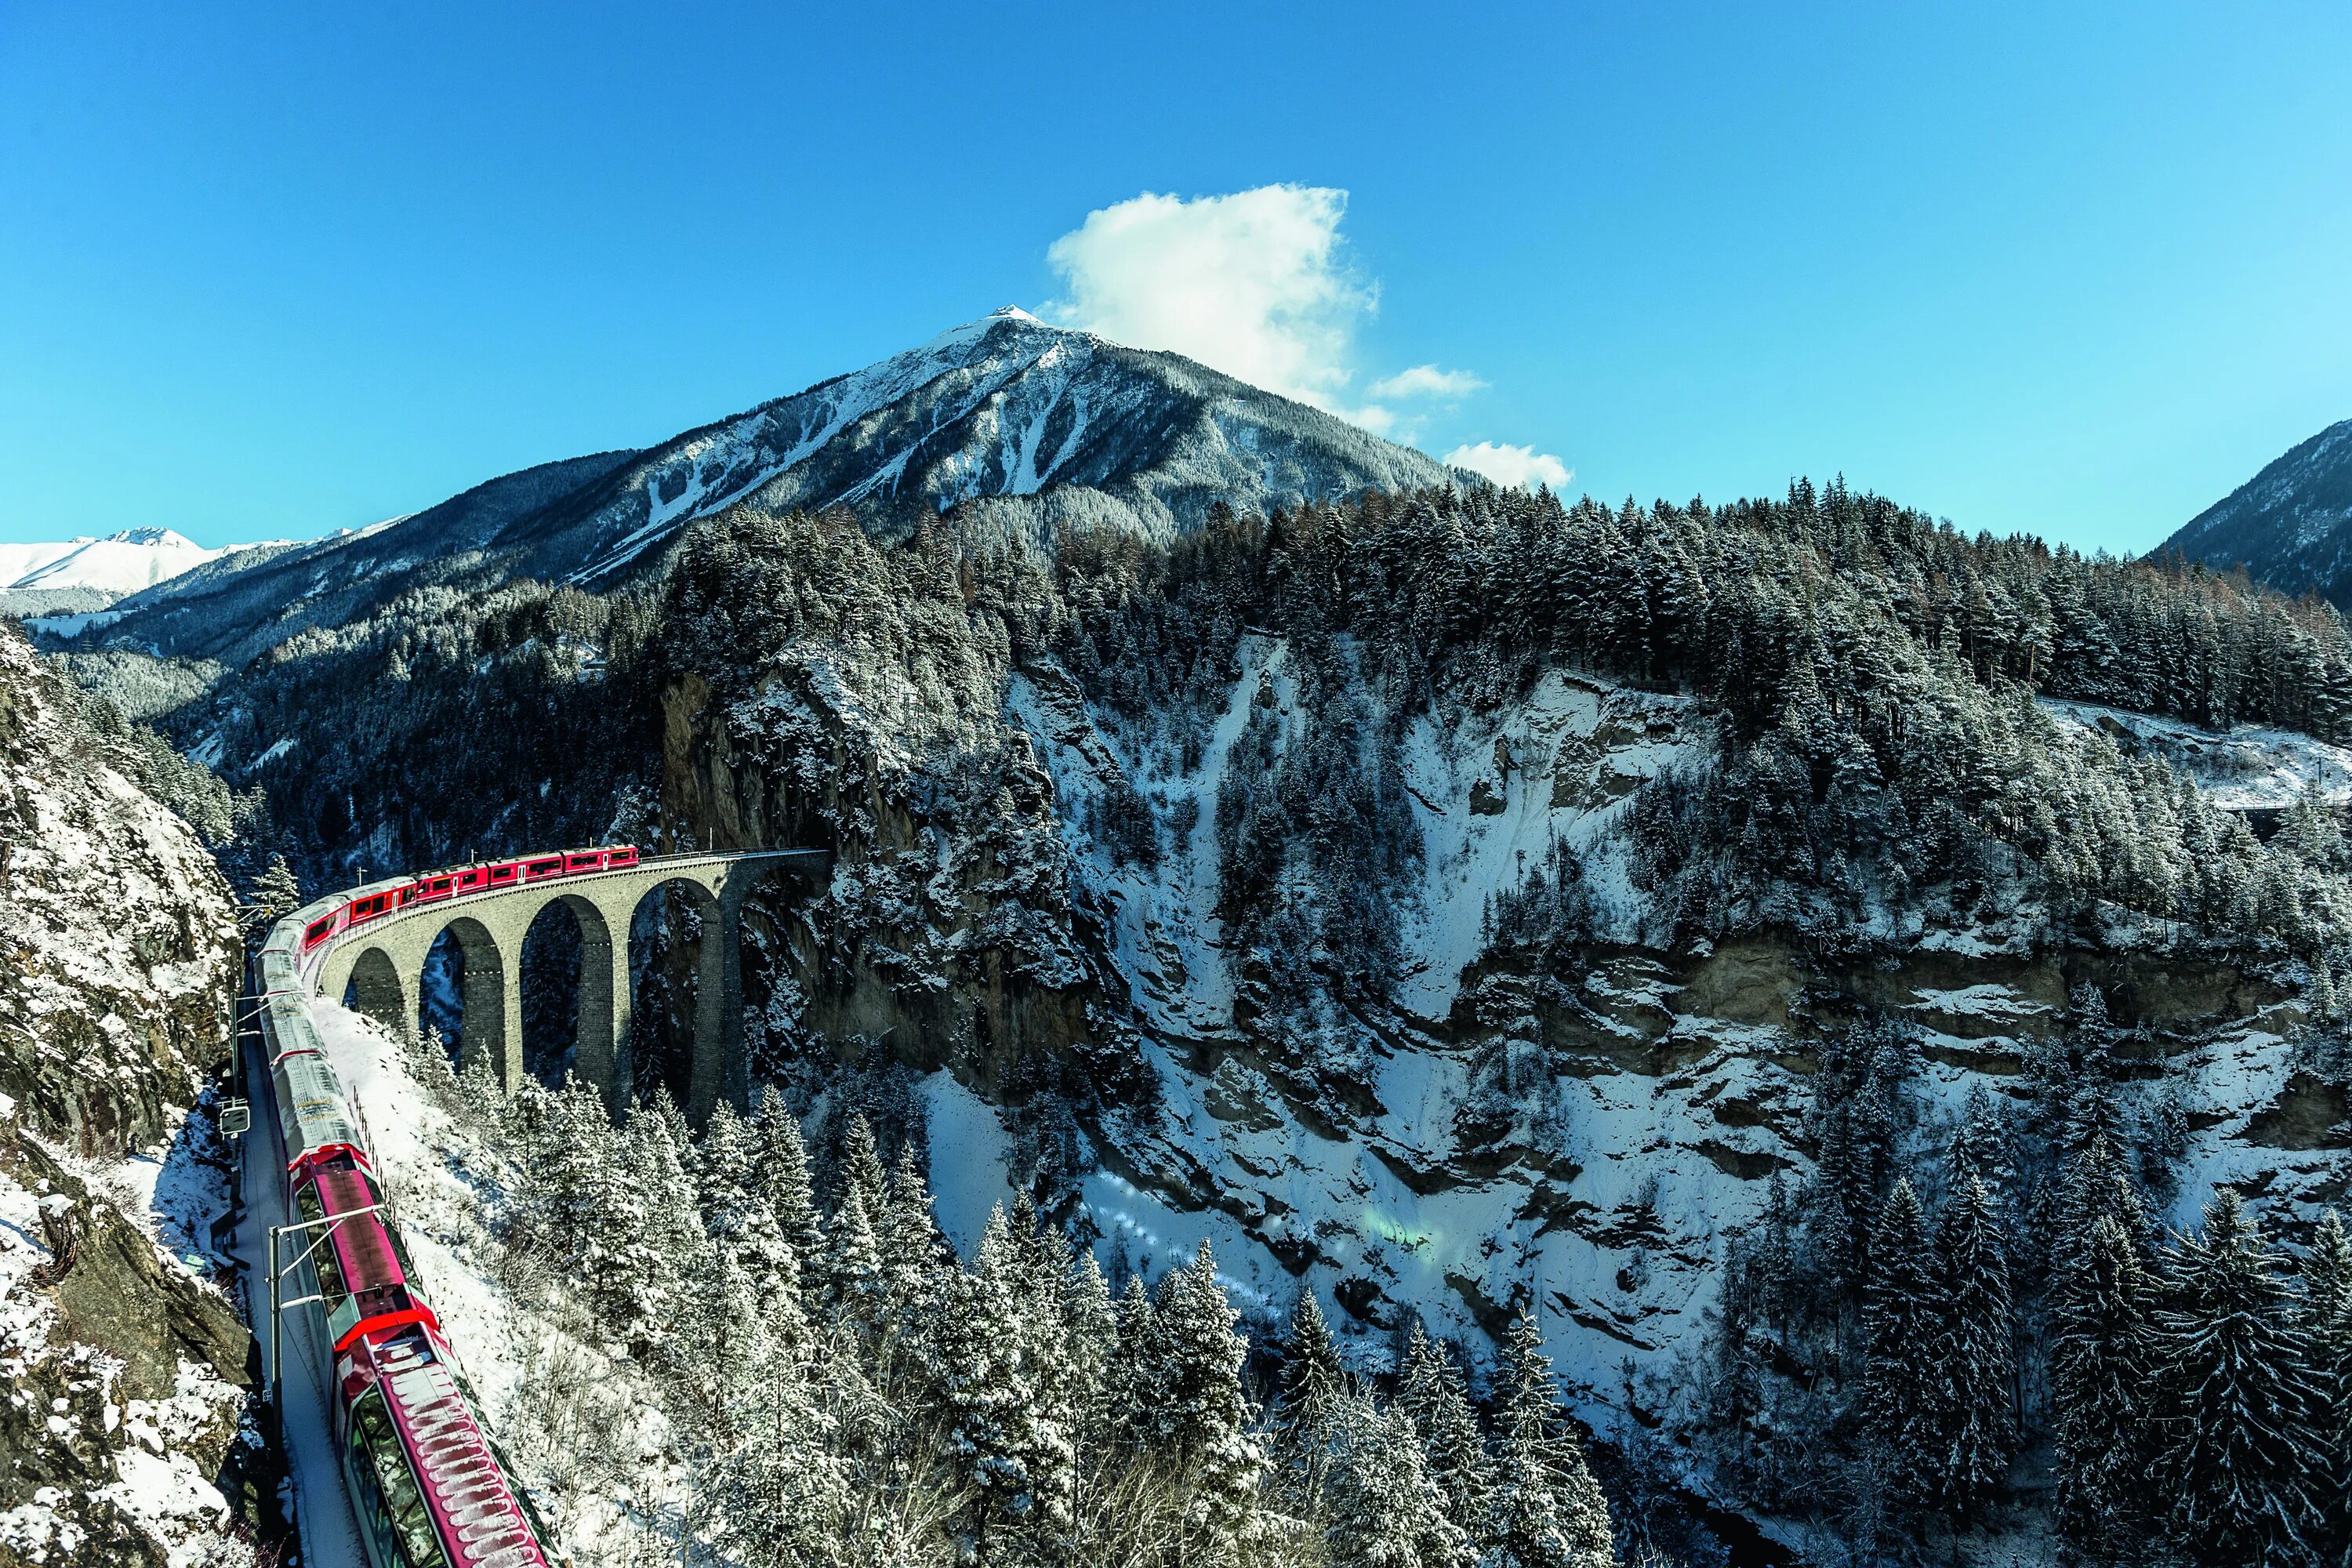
<point>780,1159</point>
<point>1090,1333</point>
<point>2327,1321</point>
<point>669,1237</point>
<point>861,1165</point>
<point>1199,1418</point>
<point>1014,1469</point>
<point>854,1266</point>
<point>276,892</point>
<point>1383,1509</point>
<point>1314,1382</point>
<point>1899,1332</point>
<point>1434,1396</point>
<point>2237,1445</point>
<point>1975,1355</point>
<point>737,1218</point>
<point>1543,1508</point>
<point>2098,1388</point>
<point>912,1247</point>
<point>1136,1367</point>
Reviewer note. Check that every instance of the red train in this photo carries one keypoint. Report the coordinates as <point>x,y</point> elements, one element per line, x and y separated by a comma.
<point>435,886</point>
<point>427,1486</point>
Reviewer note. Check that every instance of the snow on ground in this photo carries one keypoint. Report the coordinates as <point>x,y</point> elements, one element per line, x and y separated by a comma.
<point>1165,934</point>
<point>71,626</point>
<point>441,1208</point>
<point>968,1159</point>
<point>2247,768</point>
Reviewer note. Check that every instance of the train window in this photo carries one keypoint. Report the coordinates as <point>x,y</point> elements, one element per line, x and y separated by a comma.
<point>322,1254</point>
<point>549,867</point>
<point>398,1503</point>
<point>501,875</point>
<point>318,931</point>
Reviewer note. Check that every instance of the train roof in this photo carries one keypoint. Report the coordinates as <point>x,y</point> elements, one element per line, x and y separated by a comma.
<point>313,1111</point>
<point>464,1485</point>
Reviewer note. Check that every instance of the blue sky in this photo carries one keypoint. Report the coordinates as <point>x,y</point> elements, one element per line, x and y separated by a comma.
<point>267,271</point>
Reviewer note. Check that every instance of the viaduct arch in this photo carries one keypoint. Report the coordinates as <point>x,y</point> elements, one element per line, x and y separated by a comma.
<point>382,965</point>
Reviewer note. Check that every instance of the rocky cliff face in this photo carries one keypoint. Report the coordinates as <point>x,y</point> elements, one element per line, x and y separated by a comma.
<point>127,1434</point>
<point>1594,1116</point>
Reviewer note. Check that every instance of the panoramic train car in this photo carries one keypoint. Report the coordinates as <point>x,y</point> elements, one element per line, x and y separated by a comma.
<point>425,1483</point>
<point>455,883</point>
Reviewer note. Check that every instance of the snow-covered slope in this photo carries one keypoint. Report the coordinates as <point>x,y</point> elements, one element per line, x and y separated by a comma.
<point>86,574</point>
<point>1036,427</point>
<point>2249,768</point>
<point>2290,525</point>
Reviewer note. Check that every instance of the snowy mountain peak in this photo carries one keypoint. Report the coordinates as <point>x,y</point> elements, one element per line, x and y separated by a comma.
<point>1022,427</point>
<point>90,572</point>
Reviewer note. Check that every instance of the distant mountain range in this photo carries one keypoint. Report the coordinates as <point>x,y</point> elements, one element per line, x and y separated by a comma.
<point>2290,525</point>
<point>1028,428</point>
<point>88,573</point>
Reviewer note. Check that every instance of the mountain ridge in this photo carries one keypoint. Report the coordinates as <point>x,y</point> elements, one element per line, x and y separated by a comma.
<point>1037,428</point>
<point>2290,525</point>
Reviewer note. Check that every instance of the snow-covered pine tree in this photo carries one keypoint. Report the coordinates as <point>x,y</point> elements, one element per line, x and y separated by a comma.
<point>854,1266</point>
<point>1314,1383</point>
<point>1090,1338</point>
<point>723,1348</point>
<point>669,1236</point>
<point>1133,1370</point>
<point>1436,1396</point>
<point>777,1496</point>
<point>738,1219</point>
<point>276,892</point>
<point>1899,1325</point>
<point>1382,1508</point>
<point>913,1249</point>
<point>2237,1451</point>
<point>861,1165</point>
<point>660,1105</point>
<point>1975,1354</point>
<point>780,1157</point>
<point>1543,1509</point>
<point>607,1226</point>
<point>1200,1419</point>
<point>2098,1394</point>
<point>2327,1321</point>
<point>1015,1470</point>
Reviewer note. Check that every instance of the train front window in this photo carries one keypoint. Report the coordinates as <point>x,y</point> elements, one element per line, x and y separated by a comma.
<point>401,1515</point>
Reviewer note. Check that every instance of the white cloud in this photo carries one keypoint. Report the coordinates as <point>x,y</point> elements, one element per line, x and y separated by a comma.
<point>1255,284</point>
<point>1518,468</point>
<point>1426,381</point>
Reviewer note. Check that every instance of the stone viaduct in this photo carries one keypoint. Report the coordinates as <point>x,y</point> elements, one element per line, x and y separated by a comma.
<point>382,965</point>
